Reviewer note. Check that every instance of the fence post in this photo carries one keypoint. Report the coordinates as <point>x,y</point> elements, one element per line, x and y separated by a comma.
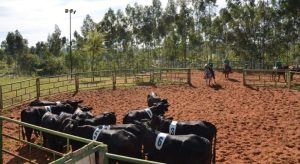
<point>76,83</point>
<point>244,74</point>
<point>189,77</point>
<point>38,89</point>
<point>1,139</point>
<point>114,79</point>
<point>289,79</point>
<point>125,77</point>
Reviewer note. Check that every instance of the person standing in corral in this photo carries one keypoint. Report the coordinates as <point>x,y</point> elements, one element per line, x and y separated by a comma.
<point>208,74</point>
<point>226,69</point>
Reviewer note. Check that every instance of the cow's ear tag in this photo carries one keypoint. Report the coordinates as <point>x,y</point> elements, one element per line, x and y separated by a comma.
<point>172,127</point>
<point>160,139</point>
<point>149,112</point>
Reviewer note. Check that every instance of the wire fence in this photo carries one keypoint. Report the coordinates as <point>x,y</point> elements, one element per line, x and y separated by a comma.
<point>15,93</point>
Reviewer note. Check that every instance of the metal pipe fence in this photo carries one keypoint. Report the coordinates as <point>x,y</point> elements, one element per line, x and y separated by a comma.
<point>19,92</point>
<point>70,156</point>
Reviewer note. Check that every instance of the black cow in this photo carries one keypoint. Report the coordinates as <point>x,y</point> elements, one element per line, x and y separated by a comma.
<point>176,149</point>
<point>80,114</point>
<point>152,98</point>
<point>74,103</point>
<point>137,115</point>
<point>132,128</point>
<point>119,142</point>
<point>34,114</point>
<point>106,118</point>
<point>200,128</point>
<point>53,122</point>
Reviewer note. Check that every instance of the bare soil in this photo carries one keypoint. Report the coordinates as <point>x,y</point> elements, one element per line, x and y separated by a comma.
<point>255,125</point>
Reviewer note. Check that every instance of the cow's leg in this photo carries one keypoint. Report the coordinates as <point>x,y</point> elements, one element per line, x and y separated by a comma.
<point>28,133</point>
<point>44,136</point>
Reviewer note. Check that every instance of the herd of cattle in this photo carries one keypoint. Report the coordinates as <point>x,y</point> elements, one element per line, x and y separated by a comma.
<point>145,133</point>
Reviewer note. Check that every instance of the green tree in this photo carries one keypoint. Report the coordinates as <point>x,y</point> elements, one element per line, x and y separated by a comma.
<point>88,26</point>
<point>94,45</point>
<point>15,47</point>
<point>55,42</point>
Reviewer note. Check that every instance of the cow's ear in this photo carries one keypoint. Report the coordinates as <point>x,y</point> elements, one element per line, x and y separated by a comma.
<point>170,118</point>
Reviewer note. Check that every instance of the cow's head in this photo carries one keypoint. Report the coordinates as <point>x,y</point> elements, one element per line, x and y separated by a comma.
<point>110,117</point>
<point>152,98</point>
<point>79,114</point>
<point>74,103</point>
<point>68,108</point>
<point>161,107</point>
<point>68,125</point>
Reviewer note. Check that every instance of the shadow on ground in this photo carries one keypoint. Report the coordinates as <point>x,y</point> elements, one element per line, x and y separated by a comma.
<point>216,86</point>
<point>233,80</point>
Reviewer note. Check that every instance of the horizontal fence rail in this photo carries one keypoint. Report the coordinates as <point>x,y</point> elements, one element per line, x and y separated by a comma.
<point>294,80</point>
<point>55,84</point>
<point>72,157</point>
<point>19,92</point>
<point>270,78</point>
<point>100,146</point>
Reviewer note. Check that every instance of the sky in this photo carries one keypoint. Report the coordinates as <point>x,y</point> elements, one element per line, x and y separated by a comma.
<point>36,19</point>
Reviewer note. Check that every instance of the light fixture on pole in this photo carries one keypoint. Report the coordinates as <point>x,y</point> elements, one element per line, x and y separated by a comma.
<point>71,11</point>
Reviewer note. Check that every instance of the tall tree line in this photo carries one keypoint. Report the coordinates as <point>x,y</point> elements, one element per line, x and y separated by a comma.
<point>182,33</point>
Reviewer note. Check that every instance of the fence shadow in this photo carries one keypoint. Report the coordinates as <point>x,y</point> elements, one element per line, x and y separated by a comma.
<point>233,80</point>
<point>36,156</point>
<point>251,87</point>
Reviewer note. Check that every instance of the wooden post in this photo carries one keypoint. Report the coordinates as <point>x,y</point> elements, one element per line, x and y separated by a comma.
<point>151,76</point>
<point>76,83</point>
<point>38,89</point>
<point>125,77</point>
<point>1,139</point>
<point>244,74</point>
<point>289,79</point>
<point>189,78</point>
<point>114,80</point>
<point>160,72</point>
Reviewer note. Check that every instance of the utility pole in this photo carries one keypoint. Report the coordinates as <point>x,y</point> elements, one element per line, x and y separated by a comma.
<point>71,11</point>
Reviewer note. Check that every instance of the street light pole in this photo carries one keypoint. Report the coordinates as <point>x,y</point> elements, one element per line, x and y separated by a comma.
<point>71,11</point>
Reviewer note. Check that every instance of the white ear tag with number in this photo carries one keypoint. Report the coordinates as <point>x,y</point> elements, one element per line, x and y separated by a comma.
<point>160,139</point>
<point>149,112</point>
<point>96,133</point>
<point>48,108</point>
<point>106,127</point>
<point>172,128</point>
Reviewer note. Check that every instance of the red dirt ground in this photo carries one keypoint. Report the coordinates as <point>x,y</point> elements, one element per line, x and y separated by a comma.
<point>255,125</point>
